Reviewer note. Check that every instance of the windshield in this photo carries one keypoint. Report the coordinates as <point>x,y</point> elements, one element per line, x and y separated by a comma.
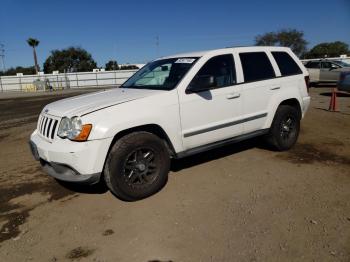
<point>162,74</point>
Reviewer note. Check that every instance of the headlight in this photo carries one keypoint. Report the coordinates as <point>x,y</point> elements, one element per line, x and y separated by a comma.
<point>73,129</point>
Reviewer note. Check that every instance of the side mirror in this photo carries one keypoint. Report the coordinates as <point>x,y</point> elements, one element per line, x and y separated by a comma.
<point>202,83</point>
<point>333,67</point>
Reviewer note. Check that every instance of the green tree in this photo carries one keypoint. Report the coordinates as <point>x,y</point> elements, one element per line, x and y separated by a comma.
<point>19,69</point>
<point>34,43</point>
<point>332,49</point>
<point>128,67</point>
<point>291,38</point>
<point>71,59</point>
<point>268,39</point>
<point>112,65</point>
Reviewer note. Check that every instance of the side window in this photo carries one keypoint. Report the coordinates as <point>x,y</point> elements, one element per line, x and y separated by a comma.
<point>335,66</point>
<point>313,65</point>
<point>329,65</point>
<point>221,68</point>
<point>326,65</point>
<point>286,64</point>
<point>256,66</point>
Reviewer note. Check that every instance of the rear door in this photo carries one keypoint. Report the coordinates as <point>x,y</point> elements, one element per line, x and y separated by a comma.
<point>330,72</point>
<point>314,68</point>
<point>259,84</point>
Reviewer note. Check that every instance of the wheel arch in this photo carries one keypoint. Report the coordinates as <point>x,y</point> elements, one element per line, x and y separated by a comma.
<point>151,128</point>
<point>292,102</point>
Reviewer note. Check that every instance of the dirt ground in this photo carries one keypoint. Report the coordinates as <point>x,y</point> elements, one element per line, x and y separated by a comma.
<point>237,203</point>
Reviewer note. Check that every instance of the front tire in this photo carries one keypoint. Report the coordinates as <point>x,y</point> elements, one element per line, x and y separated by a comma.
<point>137,166</point>
<point>285,128</point>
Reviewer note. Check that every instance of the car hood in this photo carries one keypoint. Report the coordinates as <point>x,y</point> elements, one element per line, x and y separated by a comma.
<point>84,104</point>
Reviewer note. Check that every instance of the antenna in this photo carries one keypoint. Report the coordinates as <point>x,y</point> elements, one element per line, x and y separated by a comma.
<point>2,56</point>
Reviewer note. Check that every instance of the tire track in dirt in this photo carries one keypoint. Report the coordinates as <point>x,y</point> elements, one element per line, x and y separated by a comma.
<point>15,214</point>
<point>16,113</point>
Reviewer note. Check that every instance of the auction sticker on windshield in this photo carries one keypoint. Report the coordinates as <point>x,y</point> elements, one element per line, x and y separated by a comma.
<point>185,60</point>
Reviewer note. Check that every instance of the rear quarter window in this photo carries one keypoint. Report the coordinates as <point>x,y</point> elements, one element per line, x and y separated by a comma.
<point>286,64</point>
<point>256,66</point>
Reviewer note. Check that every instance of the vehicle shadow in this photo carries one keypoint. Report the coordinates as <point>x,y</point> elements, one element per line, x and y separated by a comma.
<point>214,154</point>
<point>339,94</point>
<point>331,85</point>
<point>177,164</point>
<point>327,110</point>
<point>99,188</point>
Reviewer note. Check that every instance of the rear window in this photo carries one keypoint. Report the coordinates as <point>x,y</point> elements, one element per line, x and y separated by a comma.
<point>313,65</point>
<point>256,66</point>
<point>286,64</point>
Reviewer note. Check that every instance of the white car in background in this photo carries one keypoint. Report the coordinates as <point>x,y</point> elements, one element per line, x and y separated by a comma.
<point>326,71</point>
<point>173,107</point>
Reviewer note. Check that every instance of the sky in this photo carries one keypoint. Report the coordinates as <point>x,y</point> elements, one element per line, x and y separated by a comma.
<point>127,31</point>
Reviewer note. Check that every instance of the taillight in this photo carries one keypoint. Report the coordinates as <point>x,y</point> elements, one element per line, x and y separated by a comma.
<point>307,82</point>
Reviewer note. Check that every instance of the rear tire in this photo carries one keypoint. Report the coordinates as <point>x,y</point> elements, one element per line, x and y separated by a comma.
<point>285,128</point>
<point>137,166</point>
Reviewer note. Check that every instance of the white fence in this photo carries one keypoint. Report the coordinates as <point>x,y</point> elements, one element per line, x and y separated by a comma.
<point>30,83</point>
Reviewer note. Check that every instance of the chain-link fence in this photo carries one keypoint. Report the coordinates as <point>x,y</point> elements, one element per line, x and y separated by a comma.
<point>49,82</point>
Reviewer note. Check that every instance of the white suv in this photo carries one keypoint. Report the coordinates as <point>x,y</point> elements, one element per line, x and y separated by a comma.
<point>173,107</point>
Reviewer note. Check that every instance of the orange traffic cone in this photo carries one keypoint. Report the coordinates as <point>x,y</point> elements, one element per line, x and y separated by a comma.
<point>333,106</point>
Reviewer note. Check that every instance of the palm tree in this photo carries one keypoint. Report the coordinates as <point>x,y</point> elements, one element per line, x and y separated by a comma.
<point>34,43</point>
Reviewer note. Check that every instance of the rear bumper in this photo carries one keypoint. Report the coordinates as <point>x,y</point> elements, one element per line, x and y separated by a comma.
<point>306,104</point>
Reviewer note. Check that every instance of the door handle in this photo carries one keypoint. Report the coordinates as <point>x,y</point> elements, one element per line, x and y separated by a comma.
<point>233,95</point>
<point>275,88</point>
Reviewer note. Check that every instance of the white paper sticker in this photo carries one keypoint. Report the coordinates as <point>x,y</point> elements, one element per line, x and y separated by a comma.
<point>185,60</point>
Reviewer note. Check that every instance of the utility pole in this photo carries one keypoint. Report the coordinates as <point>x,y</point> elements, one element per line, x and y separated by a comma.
<point>2,56</point>
<point>115,46</point>
<point>157,46</point>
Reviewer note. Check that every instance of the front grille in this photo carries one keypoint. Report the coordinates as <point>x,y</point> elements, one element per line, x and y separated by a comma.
<point>47,126</point>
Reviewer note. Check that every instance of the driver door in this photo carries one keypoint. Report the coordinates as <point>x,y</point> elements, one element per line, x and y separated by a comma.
<point>211,114</point>
<point>329,72</point>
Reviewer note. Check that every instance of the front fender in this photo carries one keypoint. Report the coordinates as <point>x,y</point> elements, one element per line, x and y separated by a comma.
<point>113,120</point>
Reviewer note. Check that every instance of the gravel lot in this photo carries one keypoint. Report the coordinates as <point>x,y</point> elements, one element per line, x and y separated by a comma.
<point>237,203</point>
